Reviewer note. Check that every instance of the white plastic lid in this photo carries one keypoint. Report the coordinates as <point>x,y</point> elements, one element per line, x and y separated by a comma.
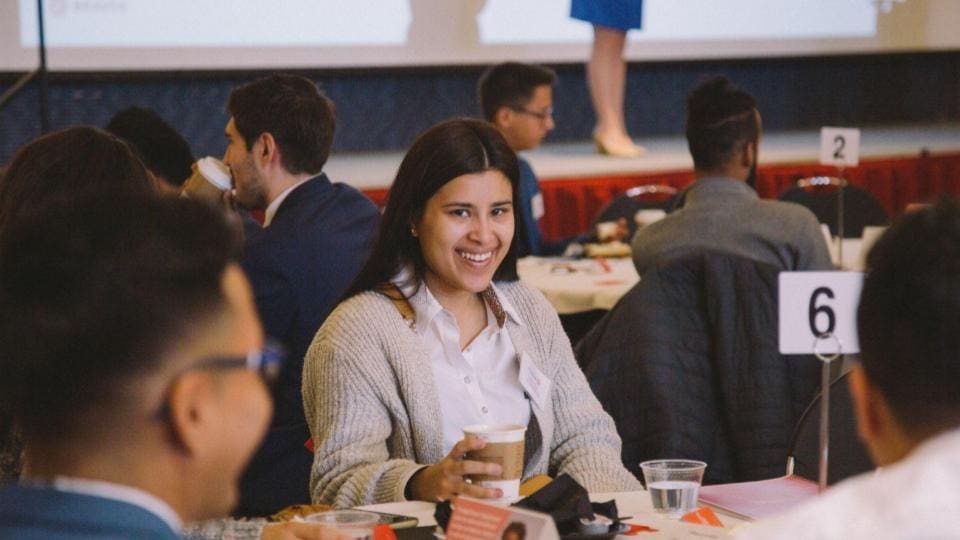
<point>215,171</point>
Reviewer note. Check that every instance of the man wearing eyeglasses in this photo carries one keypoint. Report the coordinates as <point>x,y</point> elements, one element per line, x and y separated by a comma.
<point>518,100</point>
<point>131,354</point>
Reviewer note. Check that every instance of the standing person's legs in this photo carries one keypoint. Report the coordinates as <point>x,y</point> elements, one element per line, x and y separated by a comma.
<point>606,77</point>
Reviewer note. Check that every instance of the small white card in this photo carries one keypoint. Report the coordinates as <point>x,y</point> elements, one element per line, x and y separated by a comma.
<point>839,146</point>
<point>536,206</point>
<point>473,519</point>
<point>534,381</point>
<point>814,303</point>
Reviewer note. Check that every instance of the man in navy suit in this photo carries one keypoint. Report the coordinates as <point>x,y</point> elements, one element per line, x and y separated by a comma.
<point>132,357</point>
<point>314,238</point>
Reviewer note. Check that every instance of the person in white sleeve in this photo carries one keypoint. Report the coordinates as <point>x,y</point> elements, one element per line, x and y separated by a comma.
<point>906,394</point>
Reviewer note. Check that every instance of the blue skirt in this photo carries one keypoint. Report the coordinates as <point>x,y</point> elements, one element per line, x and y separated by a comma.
<point>617,14</point>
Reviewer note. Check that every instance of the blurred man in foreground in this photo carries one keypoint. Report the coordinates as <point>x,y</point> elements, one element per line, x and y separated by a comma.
<point>131,356</point>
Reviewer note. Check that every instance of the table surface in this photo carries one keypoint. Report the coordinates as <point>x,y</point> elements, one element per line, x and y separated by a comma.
<point>634,503</point>
<point>577,285</point>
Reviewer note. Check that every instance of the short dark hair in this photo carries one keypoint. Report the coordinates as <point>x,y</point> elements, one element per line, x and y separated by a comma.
<point>162,149</point>
<point>446,151</point>
<point>66,165</point>
<point>510,84</point>
<point>909,318</point>
<point>292,109</point>
<point>93,293</point>
<point>721,118</point>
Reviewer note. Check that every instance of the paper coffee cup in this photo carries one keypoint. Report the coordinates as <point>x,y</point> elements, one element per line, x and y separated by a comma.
<point>647,216</point>
<point>209,180</point>
<point>606,230</point>
<point>504,447</point>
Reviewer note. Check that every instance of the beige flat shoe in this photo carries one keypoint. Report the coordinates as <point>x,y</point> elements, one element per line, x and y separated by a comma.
<point>618,147</point>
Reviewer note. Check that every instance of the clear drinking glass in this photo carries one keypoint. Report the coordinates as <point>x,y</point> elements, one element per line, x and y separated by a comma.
<point>674,484</point>
<point>355,523</point>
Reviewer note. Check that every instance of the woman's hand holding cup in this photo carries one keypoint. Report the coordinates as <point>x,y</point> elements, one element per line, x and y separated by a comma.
<point>447,479</point>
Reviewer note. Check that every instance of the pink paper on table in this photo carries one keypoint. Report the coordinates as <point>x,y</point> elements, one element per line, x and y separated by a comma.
<point>754,500</point>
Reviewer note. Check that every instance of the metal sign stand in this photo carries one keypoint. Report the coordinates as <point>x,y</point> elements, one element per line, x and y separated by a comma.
<point>40,73</point>
<point>825,359</point>
<point>842,184</point>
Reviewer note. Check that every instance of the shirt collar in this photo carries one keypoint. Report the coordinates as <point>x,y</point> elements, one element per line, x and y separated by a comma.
<point>426,306</point>
<point>118,492</point>
<point>506,305</point>
<point>275,205</point>
<point>712,188</point>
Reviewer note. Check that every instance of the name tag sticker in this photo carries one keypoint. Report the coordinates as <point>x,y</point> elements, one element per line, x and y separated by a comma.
<point>536,206</point>
<point>536,384</point>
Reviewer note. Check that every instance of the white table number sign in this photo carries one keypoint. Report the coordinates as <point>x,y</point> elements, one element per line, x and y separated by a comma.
<point>816,303</point>
<point>839,146</point>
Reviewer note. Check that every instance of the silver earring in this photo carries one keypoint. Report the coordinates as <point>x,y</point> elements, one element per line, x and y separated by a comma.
<point>413,231</point>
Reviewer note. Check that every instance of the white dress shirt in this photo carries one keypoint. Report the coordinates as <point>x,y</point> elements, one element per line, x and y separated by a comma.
<point>481,383</point>
<point>275,205</point>
<point>915,498</point>
<point>122,493</point>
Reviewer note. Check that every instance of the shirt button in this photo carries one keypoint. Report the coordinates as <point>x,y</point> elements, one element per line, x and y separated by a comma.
<point>467,379</point>
<point>484,409</point>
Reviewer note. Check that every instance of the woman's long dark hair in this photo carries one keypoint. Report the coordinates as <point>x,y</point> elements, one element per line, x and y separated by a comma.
<point>446,151</point>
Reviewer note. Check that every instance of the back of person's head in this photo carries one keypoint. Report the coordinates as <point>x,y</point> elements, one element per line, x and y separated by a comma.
<point>292,109</point>
<point>909,318</point>
<point>94,294</point>
<point>69,164</point>
<point>164,151</point>
<point>511,85</point>
<point>721,119</point>
<point>448,150</point>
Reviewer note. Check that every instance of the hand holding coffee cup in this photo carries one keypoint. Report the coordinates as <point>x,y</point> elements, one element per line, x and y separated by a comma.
<point>445,480</point>
<point>647,216</point>
<point>612,231</point>
<point>503,446</point>
<point>209,181</point>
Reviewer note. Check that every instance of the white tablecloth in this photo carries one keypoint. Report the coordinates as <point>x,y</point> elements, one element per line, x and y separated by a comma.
<point>576,285</point>
<point>634,503</point>
<point>854,249</point>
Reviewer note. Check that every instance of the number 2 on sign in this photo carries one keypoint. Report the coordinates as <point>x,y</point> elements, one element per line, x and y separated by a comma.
<point>840,143</point>
<point>815,311</point>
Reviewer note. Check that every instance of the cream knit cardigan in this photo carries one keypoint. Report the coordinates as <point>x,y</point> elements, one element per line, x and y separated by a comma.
<point>374,414</point>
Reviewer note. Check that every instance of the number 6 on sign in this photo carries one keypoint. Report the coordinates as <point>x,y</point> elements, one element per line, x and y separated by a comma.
<point>816,303</point>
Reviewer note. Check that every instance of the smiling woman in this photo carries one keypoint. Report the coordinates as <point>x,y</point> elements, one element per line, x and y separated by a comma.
<point>437,334</point>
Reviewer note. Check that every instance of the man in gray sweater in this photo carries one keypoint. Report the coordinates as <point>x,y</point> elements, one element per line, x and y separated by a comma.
<point>721,210</point>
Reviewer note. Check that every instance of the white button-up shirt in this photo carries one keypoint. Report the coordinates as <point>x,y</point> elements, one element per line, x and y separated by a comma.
<point>481,383</point>
<point>275,205</point>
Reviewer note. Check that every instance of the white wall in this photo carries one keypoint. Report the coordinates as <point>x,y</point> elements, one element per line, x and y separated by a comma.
<point>240,34</point>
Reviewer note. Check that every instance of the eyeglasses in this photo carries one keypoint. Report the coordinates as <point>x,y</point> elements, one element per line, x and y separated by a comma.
<point>267,362</point>
<point>542,116</point>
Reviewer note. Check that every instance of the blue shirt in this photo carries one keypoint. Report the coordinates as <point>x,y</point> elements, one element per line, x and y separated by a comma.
<point>531,236</point>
